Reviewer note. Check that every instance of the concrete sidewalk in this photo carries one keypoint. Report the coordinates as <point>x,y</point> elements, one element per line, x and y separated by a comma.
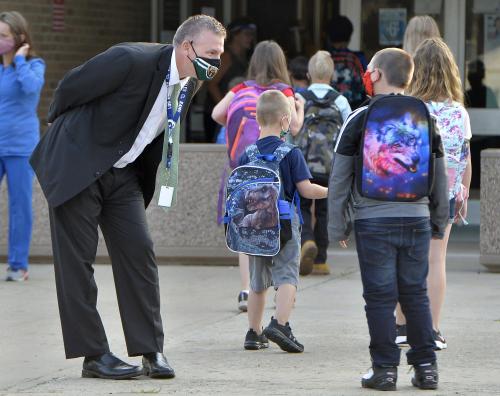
<point>204,336</point>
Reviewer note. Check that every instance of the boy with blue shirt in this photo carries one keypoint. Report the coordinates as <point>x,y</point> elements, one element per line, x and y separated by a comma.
<point>315,239</point>
<point>282,270</point>
<point>392,238</point>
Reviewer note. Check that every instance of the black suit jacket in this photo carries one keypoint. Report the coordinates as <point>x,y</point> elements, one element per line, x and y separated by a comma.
<point>96,114</point>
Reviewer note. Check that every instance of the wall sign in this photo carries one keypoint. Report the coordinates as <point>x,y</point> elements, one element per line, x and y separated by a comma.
<point>58,15</point>
<point>391,26</point>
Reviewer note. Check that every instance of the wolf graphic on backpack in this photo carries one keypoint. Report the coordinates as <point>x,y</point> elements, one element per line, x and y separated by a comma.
<point>319,133</point>
<point>396,160</point>
<point>258,218</point>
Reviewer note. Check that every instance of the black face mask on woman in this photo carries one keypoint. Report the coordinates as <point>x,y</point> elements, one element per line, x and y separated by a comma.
<point>206,68</point>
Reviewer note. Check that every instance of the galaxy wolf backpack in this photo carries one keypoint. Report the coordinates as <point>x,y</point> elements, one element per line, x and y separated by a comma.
<point>317,137</point>
<point>395,161</point>
<point>348,78</point>
<point>242,128</point>
<point>258,218</point>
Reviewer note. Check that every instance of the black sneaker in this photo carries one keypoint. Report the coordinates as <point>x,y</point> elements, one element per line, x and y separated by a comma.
<point>439,341</point>
<point>254,341</point>
<point>401,339</point>
<point>243,301</point>
<point>283,336</point>
<point>380,378</point>
<point>426,376</point>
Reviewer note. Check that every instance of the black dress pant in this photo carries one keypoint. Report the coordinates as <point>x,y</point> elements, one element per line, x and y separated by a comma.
<point>115,203</point>
<point>318,233</point>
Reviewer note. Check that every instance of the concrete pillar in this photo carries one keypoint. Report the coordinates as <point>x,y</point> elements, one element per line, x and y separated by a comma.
<point>490,209</point>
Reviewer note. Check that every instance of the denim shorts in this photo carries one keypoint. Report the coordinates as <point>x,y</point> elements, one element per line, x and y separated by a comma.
<point>280,269</point>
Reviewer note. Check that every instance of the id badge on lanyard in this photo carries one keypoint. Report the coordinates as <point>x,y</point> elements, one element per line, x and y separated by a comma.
<point>167,192</point>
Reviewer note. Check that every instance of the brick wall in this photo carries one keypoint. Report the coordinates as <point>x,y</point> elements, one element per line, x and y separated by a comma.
<point>90,27</point>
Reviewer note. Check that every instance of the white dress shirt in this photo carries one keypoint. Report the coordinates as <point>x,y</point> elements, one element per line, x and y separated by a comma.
<point>157,118</point>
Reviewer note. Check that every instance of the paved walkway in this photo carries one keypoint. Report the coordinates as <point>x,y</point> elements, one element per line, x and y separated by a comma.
<point>204,334</point>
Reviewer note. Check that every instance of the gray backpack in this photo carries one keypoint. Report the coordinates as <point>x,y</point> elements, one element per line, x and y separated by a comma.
<point>317,137</point>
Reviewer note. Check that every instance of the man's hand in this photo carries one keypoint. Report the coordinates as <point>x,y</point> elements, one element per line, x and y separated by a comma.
<point>343,244</point>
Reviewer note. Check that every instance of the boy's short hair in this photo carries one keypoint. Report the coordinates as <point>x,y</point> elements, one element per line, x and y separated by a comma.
<point>396,64</point>
<point>339,29</point>
<point>298,68</point>
<point>321,66</point>
<point>272,105</point>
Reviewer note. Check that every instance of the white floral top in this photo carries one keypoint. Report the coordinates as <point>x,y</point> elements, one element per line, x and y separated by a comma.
<point>454,126</point>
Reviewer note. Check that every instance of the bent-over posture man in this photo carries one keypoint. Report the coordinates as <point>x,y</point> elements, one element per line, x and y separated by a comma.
<point>97,165</point>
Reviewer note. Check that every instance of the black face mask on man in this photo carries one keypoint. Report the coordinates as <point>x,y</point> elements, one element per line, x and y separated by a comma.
<point>206,68</point>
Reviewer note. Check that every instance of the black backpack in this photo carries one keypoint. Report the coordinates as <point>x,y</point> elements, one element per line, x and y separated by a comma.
<point>348,78</point>
<point>319,133</point>
<point>396,161</point>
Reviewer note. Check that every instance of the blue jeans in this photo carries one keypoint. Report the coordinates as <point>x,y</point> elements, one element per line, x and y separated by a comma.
<point>393,255</point>
<point>20,186</point>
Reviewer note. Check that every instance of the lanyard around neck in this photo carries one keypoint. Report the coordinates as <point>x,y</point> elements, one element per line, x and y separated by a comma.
<point>173,118</point>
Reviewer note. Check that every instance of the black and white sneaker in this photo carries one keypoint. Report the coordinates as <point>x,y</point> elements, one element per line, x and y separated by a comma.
<point>243,301</point>
<point>380,378</point>
<point>401,339</point>
<point>283,336</point>
<point>439,341</point>
<point>254,341</point>
<point>426,376</point>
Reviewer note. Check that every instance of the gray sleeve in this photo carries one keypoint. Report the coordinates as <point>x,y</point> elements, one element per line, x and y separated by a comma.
<point>439,203</point>
<point>339,193</point>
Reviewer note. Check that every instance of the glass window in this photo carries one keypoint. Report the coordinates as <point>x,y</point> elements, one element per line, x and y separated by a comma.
<point>384,21</point>
<point>482,53</point>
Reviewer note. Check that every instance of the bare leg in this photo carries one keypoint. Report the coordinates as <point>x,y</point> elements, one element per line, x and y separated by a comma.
<point>400,318</point>
<point>285,298</point>
<point>256,305</point>
<point>244,271</point>
<point>436,280</point>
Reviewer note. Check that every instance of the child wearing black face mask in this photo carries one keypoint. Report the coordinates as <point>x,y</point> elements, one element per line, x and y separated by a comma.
<point>282,270</point>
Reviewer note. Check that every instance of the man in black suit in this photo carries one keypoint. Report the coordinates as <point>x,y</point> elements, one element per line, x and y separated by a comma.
<point>97,166</point>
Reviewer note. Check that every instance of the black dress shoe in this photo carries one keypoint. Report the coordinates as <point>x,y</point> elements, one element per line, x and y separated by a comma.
<point>156,366</point>
<point>108,366</point>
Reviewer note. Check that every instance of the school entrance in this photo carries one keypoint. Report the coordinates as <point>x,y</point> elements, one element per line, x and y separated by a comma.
<point>470,27</point>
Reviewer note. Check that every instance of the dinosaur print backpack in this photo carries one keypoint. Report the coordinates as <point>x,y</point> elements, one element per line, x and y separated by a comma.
<point>258,218</point>
<point>396,162</point>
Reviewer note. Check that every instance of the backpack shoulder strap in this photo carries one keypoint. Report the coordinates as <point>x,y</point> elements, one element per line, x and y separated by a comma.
<point>282,150</point>
<point>332,95</point>
<point>252,152</point>
<point>308,95</point>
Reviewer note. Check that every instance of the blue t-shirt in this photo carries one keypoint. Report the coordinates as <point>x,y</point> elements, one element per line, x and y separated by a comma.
<point>293,168</point>
<point>20,86</point>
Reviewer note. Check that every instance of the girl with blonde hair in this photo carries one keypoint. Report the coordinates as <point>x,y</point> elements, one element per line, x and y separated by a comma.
<point>436,80</point>
<point>419,28</point>
<point>236,111</point>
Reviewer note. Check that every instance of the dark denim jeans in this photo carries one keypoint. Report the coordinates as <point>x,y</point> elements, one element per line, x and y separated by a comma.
<point>393,255</point>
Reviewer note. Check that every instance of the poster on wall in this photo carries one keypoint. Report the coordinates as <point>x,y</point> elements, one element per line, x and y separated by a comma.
<point>391,26</point>
<point>491,32</point>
